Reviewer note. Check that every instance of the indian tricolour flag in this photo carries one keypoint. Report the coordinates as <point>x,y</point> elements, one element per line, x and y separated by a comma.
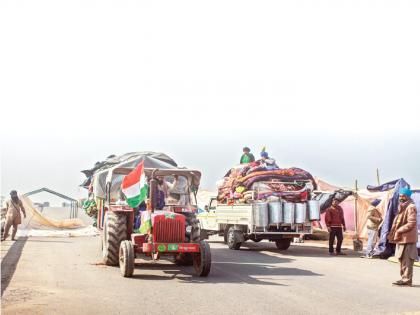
<point>134,186</point>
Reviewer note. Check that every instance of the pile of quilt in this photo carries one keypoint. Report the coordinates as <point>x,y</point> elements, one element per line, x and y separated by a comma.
<point>253,182</point>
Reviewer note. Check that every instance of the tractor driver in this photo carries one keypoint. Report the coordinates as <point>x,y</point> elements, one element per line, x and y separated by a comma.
<point>180,188</point>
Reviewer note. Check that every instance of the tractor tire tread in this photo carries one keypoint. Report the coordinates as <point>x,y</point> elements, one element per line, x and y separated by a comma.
<point>127,263</point>
<point>203,269</point>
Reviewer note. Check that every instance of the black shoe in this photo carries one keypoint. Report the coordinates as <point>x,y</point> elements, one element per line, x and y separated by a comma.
<point>407,284</point>
<point>399,282</point>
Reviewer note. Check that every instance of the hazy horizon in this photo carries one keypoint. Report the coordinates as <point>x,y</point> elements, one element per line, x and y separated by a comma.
<point>336,160</point>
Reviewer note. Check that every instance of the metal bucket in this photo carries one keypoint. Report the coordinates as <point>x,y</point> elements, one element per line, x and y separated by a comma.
<point>260,210</point>
<point>300,213</point>
<point>289,212</point>
<point>314,210</point>
<point>275,212</point>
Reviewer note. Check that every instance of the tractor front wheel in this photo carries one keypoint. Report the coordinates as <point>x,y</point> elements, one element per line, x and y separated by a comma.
<point>126,258</point>
<point>202,260</point>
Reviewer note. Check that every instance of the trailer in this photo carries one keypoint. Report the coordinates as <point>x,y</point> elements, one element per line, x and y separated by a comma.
<point>276,220</point>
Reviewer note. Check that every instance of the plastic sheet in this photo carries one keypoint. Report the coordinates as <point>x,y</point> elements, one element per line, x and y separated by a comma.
<point>37,220</point>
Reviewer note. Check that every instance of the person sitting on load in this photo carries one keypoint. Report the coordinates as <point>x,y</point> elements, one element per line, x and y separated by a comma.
<point>267,162</point>
<point>247,157</point>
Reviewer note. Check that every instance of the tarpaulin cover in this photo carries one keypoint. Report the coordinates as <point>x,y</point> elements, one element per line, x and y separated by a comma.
<point>362,201</point>
<point>388,194</point>
<point>347,205</point>
<point>416,198</point>
<point>97,175</point>
<point>132,159</point>
<point>384,248</point>
<point>37,220</point>
<point>384,187</point>
<point>39,223</point>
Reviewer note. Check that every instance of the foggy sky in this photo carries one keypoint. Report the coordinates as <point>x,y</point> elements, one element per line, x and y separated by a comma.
<point>331,87</point>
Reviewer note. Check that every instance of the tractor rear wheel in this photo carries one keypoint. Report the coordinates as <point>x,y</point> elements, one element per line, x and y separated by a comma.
<point>202,260</point>
<point>233,238</point>
<point>283,244</point>
<point>126,258</point>
<point>114,232</point>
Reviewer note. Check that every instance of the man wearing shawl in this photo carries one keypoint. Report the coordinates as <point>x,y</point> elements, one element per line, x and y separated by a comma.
<point>13,207</point>
<point>374,220</point>
<point>404,234</point>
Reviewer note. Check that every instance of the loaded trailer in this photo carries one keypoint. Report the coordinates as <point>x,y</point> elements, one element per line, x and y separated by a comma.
<point>278,220</point>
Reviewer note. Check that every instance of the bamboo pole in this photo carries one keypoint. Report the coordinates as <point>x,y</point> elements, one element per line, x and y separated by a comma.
<point>355,210</point>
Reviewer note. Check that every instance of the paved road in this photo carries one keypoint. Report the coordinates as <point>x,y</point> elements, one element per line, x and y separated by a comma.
<point>61,276</point>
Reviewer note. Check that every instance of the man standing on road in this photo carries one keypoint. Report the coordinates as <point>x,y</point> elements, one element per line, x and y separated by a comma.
<point>247,157</point>
<point>334,219</point>
<point>13,218</point>
<point>404,234</point>
<point>374,220</point>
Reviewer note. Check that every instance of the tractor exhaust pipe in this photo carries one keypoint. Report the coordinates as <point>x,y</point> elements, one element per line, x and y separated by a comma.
<point>153,191</point>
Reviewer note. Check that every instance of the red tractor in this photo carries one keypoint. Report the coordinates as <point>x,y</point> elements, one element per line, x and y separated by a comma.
<point>174,231</point>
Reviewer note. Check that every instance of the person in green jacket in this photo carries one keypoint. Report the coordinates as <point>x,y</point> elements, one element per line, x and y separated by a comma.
<point>247,156</point>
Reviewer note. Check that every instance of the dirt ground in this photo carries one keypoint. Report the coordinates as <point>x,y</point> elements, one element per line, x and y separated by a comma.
<point>45,275</point>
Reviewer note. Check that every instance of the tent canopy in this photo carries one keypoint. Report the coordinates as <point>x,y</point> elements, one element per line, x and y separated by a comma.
<point>388,193</point>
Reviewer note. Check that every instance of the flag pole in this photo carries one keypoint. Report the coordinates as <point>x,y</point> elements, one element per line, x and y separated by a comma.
<point>357,243</point>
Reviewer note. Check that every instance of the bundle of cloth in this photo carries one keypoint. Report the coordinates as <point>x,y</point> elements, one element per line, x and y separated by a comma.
<point>292,193</point>
<point>257,181</point>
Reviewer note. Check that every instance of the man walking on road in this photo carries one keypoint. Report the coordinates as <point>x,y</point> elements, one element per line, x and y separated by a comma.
<point>374,220</point>
<point>13,218</point>
<point>404,234</point>
<point>334,219</point>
